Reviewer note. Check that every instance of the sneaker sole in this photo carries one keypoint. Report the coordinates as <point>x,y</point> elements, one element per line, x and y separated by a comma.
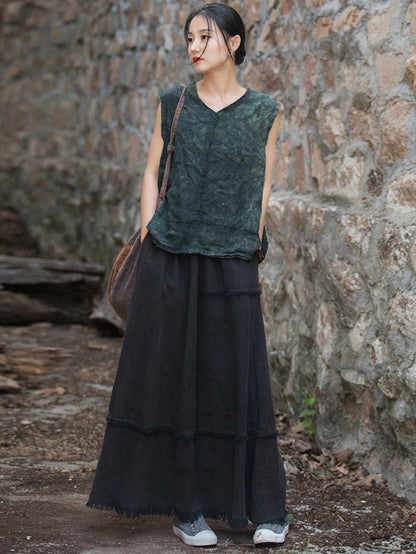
<point>203,538</point>
<point>267,536</point>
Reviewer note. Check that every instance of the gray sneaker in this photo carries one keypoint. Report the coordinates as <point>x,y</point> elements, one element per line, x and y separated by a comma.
<point>195,533</point>
<point>271,532</point>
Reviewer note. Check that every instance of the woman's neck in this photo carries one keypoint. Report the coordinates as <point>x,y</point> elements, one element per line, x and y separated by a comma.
<point>221,84</point>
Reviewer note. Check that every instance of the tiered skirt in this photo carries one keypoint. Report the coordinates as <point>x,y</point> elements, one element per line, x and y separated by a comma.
<point>191,427</point>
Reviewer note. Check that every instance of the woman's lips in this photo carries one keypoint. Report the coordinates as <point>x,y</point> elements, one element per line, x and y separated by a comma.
<point>196,59</point>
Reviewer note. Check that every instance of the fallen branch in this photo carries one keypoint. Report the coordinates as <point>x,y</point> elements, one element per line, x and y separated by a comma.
<point>36,289</point>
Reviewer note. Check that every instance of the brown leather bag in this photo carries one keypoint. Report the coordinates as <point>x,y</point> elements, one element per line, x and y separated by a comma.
<point>121,282</point>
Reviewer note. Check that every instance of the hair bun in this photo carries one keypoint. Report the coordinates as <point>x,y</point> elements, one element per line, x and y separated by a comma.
<point>240,55</point>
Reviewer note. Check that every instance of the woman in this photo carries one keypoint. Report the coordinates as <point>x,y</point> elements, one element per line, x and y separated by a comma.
<point>191,427</point>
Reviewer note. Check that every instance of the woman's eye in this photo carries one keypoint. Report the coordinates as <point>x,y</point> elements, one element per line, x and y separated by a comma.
<point>205,37</point>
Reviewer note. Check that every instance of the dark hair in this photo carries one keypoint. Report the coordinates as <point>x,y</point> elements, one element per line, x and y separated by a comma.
<point>228,21</point>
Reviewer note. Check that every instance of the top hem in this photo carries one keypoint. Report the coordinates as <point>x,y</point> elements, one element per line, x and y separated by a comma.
<point>202,252</point>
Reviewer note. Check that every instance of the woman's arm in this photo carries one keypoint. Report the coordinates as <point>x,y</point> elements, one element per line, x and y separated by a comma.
<point>270,159</point>
<point>150,178</point>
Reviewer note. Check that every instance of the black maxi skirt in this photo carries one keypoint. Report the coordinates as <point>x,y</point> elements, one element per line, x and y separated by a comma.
<point>191,426</point>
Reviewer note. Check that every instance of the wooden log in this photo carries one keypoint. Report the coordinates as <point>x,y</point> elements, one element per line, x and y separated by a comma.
<point>36,289</point>
<point>15,271</point>
<point>18,308</point>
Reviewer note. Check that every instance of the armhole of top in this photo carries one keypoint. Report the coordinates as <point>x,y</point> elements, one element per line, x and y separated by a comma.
<point>271,116</point>
<point>169,100</point>
<point>163,115</point>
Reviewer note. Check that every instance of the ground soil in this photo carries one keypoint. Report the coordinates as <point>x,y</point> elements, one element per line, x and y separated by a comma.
<point>50,439</point>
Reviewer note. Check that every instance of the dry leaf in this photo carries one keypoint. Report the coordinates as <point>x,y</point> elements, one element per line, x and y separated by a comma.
<point>302,446</point>
<point>9,385</point>
<point>375,479</point>
<point>321,459</point>
<point>41,325</point>
<point>97,346</point>
<point>290,469</point>
<point>48,392</point>
<point>3,363</point>
<point>360,474</point>
<point>368,481</point>
<point>297,428</point>
<point>26,367</point>
<point>344,455</point>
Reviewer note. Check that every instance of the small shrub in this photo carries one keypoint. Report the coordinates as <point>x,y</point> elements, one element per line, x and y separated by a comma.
<point>308,415</point>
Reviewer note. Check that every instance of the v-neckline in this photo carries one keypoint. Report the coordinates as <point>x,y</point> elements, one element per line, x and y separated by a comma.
<point>239,99</point>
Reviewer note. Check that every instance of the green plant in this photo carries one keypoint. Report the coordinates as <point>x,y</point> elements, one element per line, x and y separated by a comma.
<point>290,518</point>
<point>308,415</point>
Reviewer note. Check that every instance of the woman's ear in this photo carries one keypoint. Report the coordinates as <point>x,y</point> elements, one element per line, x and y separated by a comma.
<point>235,42</point>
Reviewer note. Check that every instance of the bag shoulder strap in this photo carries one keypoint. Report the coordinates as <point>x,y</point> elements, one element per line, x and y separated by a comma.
<point>171,147</point>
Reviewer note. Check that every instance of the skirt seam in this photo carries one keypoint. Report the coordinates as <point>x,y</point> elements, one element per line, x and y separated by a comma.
<point>237,292</point>
<point>191,436</point>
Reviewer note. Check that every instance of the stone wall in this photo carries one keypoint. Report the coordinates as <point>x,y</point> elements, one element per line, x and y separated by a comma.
<point>340,285</point>
<point>81,85</point>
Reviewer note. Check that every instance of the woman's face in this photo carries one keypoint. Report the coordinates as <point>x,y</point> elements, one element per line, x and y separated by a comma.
<point>206,47</point>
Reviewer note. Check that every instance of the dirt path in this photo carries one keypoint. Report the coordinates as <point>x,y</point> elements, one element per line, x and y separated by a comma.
<point>50,437</point>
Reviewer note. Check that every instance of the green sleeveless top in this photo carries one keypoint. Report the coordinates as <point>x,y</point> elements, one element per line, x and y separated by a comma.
<point>215,188</point>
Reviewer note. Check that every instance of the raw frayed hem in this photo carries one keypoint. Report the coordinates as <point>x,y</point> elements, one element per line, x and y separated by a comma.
<point>165,511</point>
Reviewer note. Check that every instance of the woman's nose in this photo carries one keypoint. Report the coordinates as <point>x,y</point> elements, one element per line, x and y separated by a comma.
<point>195,46</point>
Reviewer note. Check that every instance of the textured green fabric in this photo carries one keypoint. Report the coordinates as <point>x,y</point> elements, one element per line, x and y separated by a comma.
<point>215,189</point>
